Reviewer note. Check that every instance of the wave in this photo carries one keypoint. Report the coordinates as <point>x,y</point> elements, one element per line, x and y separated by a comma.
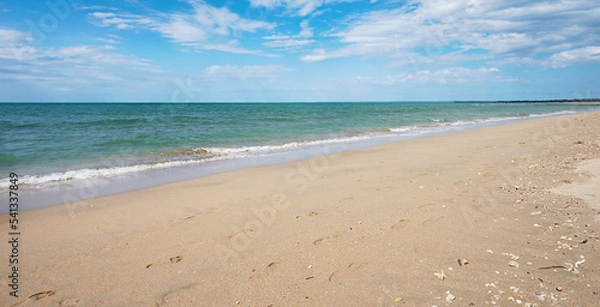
<point>200,155</point>
<point>45,180</point>
<point>80,122</point>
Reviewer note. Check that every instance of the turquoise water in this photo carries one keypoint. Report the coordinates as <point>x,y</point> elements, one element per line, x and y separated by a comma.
<point>53,143</point>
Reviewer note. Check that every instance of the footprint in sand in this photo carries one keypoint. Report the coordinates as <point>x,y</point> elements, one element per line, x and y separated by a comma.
<point>41,295</point>
<point>310,214</point>
<point>325,239</point>
<point>247,230</point>
<point>69,303</point>
<point>196,213</point>
<point>461,182</point>
<point>36,297</point>
<point>181,297</point>
<point>171,260</point>
<point>427,206</point>
<point>339,275</point>
<point>176,259</point>
<point>401,224</point>
<point>431,221</point>
<point>271,266</point>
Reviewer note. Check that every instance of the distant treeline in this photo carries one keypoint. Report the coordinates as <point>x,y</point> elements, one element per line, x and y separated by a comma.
<point>583,101</point>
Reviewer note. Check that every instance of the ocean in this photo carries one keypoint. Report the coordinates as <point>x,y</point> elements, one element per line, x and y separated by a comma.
<point>115,147</point>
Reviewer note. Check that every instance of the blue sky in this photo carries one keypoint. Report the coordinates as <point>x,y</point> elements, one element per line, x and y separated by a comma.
<point>298,50</point>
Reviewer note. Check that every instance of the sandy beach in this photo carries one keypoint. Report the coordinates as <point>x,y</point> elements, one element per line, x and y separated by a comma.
<point>499,216</point>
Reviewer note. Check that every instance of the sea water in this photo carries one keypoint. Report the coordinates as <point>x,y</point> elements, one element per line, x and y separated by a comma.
<point>115,147</point>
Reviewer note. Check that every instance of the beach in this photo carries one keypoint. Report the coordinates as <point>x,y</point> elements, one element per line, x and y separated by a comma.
<point>503,215</point>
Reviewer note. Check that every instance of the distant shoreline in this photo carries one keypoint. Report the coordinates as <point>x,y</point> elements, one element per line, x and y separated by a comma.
<point>586,101</point>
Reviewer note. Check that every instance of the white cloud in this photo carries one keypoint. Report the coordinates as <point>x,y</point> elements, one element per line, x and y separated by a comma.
<point>109,41</point>
<point>15,45</point>
<point>433,28</point>
<point>300,7</point>
<point>417,61</point>
<point>206,27</point>
<point>121,21</point>
<point>230,47</point>
<point>288,42</point>
<point>574,56</point>
<point>245,72</point>
<point>11,36</point>
<point>266,3</point>
<point>317,55</point>
<point>306,30</point>
<point>450,75</point>
<point>183,31</point>
<point>297,7</point>
<point>277,37</point>
<point>93,8</point>
<point>103,15</point>
<point>8,36</point>
<point>221,20</point>
<point>68,69</point>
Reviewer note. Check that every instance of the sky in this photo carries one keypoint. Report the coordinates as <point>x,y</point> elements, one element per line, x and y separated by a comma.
<point>298,50</point>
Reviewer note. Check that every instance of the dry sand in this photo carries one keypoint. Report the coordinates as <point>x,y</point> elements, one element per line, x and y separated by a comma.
<point>462,219</point>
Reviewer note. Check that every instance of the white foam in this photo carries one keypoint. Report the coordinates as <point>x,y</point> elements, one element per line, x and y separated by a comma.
<point>41,181</point>
<point>403,129</point>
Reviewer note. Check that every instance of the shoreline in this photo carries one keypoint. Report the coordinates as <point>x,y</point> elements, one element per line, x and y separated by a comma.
<point>449,219</point>
<point>61,192</point>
